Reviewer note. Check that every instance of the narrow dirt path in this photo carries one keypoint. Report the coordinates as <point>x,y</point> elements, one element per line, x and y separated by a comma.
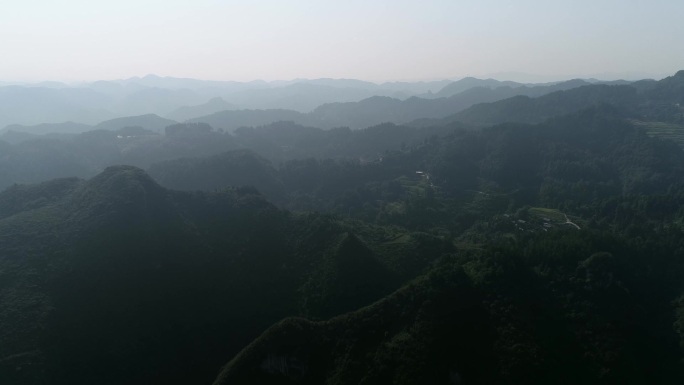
<point>567,221</point>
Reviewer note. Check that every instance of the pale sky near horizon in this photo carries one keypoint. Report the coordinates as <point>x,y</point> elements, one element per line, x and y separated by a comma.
<point>375,40</point>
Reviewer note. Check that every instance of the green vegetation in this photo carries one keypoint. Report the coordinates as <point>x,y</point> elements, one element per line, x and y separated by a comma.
<point>119,262</point>
<point>519,253</point>
<point>563,264</point>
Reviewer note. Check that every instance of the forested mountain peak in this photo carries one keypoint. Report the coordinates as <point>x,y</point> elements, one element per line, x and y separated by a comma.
<point>472,82</point>
<point>120,258</point>
<point>151,122</point>
<point>118,179</point>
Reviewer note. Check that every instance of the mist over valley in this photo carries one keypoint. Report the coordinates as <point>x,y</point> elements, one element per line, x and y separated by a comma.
<point>416,193</point>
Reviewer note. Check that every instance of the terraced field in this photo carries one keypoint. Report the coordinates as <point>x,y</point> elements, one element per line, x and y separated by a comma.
<point>663,130</point>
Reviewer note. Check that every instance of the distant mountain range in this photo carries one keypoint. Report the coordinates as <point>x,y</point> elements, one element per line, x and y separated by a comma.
<point>647,100</point>
<point>90,103</point>
<point>185,99</point>
<point>148,121</point>
<point>480,106</point>
<point>472,101</point>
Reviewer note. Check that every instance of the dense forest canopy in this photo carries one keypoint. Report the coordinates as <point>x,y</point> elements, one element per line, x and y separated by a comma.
<point>486,232</point>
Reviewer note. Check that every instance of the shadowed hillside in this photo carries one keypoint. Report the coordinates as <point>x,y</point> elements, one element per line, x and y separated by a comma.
<point>119,275</point>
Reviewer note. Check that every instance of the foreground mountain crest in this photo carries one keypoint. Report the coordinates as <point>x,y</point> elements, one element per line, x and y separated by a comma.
<point>118,265</point>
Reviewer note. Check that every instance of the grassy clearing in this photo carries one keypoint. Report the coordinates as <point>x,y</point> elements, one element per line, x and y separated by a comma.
<point>554,217</point>
<point>552,214</point>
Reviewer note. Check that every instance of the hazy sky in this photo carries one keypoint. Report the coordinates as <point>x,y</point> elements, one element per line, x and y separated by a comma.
<point>365,39</point>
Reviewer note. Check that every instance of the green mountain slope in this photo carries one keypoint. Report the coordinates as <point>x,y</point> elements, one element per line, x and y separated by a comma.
<point>489,319</point>
<point>118,280</point>
<point>531,294</point>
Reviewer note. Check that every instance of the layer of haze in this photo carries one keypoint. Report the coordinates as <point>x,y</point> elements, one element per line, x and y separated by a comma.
<point>377,40</point>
